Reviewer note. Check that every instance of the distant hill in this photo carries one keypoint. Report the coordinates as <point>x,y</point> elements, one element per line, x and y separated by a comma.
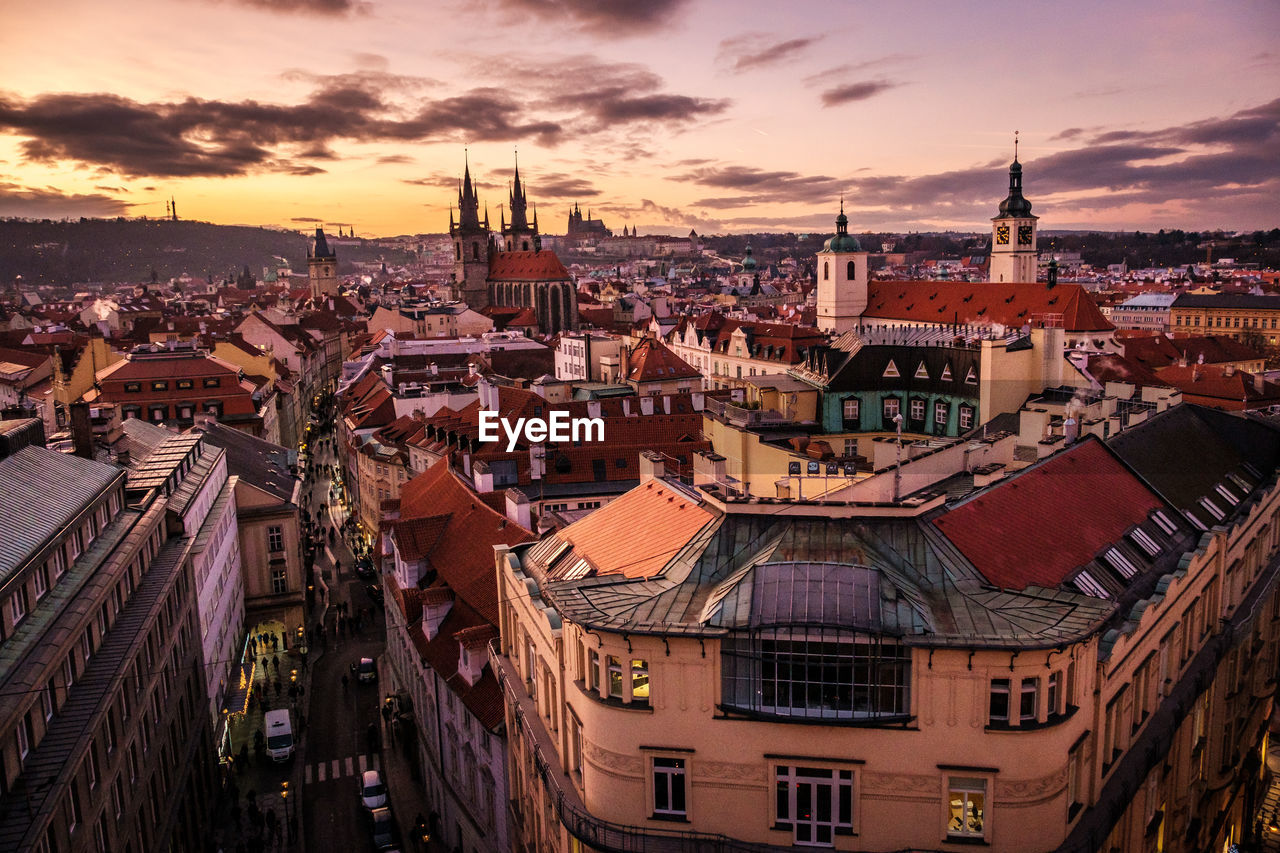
<point>124,250</point>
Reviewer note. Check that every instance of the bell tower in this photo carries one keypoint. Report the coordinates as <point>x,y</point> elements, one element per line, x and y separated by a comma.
<point>842,279</point>
<point>470,246</point>
<point>1013,232</point>
<point>322,268</point>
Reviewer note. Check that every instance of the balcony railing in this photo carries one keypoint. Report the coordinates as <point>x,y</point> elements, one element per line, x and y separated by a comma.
<point>741,416</point>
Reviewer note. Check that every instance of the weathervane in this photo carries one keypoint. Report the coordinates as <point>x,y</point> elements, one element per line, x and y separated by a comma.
<point>1015,145</point>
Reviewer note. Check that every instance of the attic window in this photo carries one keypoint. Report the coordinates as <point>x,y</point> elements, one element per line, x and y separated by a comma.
<point>1240,482</point>
<point>1163,521</point>
<point>1194,519</point>
<point>1145,542</point>
<point>891,371</point>
<point>1227,495</point>
<point>1213,509</point>
<point>946,373</point>
<point>971,378</point>
<point>1120,563</point>
<point>1086,584</point>
<point>922,372</point>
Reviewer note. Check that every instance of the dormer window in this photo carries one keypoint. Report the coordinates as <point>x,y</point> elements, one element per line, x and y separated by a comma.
<point>1227,495</point>
<point>1145,542</point>
<point>133,387</point>
<point>1163,522</point>
<point>1213,509</point>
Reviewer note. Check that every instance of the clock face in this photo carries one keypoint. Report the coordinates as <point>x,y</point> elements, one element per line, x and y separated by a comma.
<point>1024,235</point>
<point>1002,235</point>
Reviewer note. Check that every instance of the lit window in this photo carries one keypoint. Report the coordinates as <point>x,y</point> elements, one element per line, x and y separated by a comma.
<point>615,677</point>
<point>967,801</point>
<point>639,681</point>
<point>279,581</point>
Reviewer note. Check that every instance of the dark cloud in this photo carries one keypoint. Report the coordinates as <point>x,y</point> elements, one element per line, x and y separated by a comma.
<point>760,185</point>
<point>830,75</point>
<point>757,50</point>
<point>725,202</point>
<point>861,91</point>
<point>304,219</point>
<point>657,108</point>
<point>194,137</point>
<point>559,185</point>
<point>50,203</point>
<point>307,7</point>
<point>1069,133</point>
<point>394,159</point>
<point>613,18</point>
<point>110,189</point>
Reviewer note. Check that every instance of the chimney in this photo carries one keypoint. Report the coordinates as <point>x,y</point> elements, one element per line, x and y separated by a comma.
<point>651,466</point>
<point>82,429</point>
<point>123,457</point>
<point>708,468</point>
<point>1259,383</point>
<point>518,509</point>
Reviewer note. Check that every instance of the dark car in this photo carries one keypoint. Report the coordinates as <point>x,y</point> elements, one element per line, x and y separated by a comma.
<point>375,592</point>
<point>384,828</point>
<point>364,568</point>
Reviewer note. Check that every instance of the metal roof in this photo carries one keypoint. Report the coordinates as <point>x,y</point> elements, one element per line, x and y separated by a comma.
<point>40,492</point>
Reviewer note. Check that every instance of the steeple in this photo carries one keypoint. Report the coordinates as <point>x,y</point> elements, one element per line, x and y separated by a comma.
<point>519,204</point>
<point>1015,206</point>
<point>321,248</point>
<point>468,204</point>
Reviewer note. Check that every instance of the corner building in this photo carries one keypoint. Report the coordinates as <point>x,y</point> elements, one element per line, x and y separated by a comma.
<point>1079,656</point>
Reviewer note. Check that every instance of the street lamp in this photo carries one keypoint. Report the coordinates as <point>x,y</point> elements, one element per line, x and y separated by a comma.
<point>284,795</point>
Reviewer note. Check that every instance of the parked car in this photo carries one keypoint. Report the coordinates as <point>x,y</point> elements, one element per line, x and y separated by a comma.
<point>384,828</point>
<point>366,670</point>
<point>375,593</point>
<point>373,793</point>
<point>364,568</point>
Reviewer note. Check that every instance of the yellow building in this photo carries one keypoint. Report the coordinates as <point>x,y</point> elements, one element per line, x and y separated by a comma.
<point>1081,656</point>
<point>1239,315</point>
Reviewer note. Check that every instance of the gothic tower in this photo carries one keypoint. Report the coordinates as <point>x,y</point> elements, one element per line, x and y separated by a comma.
<point>322,268</point>
<point>1013,233</point>
<point>470,246</point>
<point>519,235</point>
<point>842,279</point>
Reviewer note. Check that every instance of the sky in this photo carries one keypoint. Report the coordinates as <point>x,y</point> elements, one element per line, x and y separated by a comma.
<point>725,117</point>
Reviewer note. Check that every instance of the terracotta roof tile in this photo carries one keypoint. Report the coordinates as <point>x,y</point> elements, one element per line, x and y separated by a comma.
<point>527,266</point>
<point>984,303</point>
<point>1039,526</point>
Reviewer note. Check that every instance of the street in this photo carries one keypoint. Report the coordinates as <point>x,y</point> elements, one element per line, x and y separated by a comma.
<point>339,716</point>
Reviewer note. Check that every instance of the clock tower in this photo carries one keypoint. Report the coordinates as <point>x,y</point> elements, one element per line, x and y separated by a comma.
<point>842,279</point>
<point>1013,233</point>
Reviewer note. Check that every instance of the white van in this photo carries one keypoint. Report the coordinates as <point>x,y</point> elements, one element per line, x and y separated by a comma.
<point>279,735</point>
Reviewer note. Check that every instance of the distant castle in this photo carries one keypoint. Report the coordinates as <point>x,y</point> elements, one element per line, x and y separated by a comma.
<point>585,228</point>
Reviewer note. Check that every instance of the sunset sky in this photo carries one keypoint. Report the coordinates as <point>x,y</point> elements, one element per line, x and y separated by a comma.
<point>752,115</point>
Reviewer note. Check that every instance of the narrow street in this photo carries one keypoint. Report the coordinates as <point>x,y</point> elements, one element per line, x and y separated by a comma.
<point>339,717</point>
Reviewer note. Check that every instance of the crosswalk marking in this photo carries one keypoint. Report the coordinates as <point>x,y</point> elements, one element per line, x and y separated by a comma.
<point>332,770</point>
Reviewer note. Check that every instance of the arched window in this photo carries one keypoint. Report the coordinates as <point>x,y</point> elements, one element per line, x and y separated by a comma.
<point>457,251</point>
<point>475,251</point>
<point>524,245</point>
<point>826,271</point>
<point>851,272</point>
<point>326,271</point>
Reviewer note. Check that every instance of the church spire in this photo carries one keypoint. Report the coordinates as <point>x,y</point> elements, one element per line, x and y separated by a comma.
<point>468,204</point>
<point>519,203</point>
<point>1015,206</point>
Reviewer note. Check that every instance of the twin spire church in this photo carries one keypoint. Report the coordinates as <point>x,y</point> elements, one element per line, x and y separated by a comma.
<point>514,271</point>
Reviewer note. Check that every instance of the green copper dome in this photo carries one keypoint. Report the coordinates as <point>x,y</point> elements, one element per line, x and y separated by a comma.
<point>748,262</point>
<point>843,241</point>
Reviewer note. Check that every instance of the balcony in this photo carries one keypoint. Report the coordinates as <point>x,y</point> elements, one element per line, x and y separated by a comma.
<point>742,417</point>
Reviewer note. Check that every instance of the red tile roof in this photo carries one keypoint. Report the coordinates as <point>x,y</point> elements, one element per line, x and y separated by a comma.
<point>1038,526</point>
<point>1157,351</point>
<point>463,553</point>
<point>671,519</point>
<point>1211,385</point>
<point>651,361</point>
<point>984,303</point>
<point>527,266</point>
<point>1109,367</point>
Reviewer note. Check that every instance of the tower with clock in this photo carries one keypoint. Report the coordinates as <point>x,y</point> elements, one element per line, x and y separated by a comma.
<point>1013,232</point>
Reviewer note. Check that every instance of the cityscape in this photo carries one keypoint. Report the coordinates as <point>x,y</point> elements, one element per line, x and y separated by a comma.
<point>549,427</point>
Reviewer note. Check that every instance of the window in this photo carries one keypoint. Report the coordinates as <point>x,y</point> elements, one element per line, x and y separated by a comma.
<point>18,604</point>
<point>275,539</point>
<point>1054,694</point>
<point>814,803</point>
<point>966,807</point>
<point>42,582</point>
<point>639,681</point>
<point>132,387</point>
<point>593,670</point>
<point>1144,541</point>
<point>781,672</point>
<point>117,796</point>
<point>91,768</point>
<point>891,407</point>
<point>826,271</point>
<point>966,417</point>
<point>1227,495</point>
<point>1120,563</point>
<point>1028,700</point>
<point>49,698</point>
<point>668,787</point>
<point>851,408</point>
<point>160,385</point>
<point>615,678</point>
<point>23,730</point>
<point>1085,583</point>
<point>998,712</point>
<point>575,744</point>
<point>279,581</point>
<point>59,561</point>
<point>941,414</point>
<point>212,381</point>
<point>73,810</point>
<point>1213,509</point>
<point>917,410</point>
<point>850,271</point>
